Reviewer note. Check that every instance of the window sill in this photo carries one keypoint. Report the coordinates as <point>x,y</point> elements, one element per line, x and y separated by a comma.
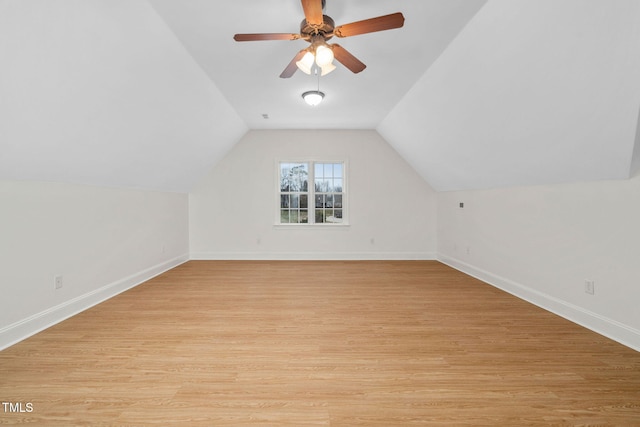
<point>310,226</point>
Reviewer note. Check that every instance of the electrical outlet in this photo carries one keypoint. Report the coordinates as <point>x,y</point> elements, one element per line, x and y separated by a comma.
<point>590,287</point>
<point>57,282</point>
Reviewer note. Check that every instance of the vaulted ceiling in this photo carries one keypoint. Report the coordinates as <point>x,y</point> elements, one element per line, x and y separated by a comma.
<point>472,93</point>
<point>530,92</point>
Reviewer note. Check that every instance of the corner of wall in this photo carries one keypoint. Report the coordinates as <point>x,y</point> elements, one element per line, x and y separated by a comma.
<point>18,331</point>
<point>602,325</point>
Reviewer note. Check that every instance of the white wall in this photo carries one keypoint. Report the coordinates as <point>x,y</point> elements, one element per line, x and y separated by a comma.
<point>232,211</point>
<point>541,243</point>
<point>101,240</point>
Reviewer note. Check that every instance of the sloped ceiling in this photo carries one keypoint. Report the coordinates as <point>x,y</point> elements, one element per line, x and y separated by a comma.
<point>474,94</point>
<point>102,93</point>
<point>530,92</point>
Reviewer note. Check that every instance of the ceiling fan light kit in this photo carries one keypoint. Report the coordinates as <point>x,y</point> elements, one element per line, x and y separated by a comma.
<point>316,29</point>
<point>320,54</point>
<point>327,69</point>
<point>306,63</point>
<point>324,56</point>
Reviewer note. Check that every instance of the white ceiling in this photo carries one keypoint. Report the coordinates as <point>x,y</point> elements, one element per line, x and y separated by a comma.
<point>474,94</point>
<point>247,73</point>
<point>102,93</point>
<point>529,93</point>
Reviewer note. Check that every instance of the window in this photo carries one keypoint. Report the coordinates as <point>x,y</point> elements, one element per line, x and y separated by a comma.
<point>323,202</point>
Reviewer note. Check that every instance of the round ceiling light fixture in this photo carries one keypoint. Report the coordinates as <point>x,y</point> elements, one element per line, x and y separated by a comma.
<point>313,97</point>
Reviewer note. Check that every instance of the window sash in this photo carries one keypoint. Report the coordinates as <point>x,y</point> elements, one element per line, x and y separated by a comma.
<point>311,192</point>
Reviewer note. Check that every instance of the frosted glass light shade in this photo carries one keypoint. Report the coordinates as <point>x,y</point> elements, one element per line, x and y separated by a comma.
<point>306,63</point>
<point>324,56</point>
<point>313,97</point>
<point>326,69</point>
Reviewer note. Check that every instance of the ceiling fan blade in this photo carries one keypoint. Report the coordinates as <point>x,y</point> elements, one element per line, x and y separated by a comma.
<point>381,23</point>
<point>343,56</point>
<point>313,11</point>
<point>292,67</point>
<point>265,36</point>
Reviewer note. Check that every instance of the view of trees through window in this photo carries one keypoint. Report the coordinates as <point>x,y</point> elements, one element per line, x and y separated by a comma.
<point>321,203</point>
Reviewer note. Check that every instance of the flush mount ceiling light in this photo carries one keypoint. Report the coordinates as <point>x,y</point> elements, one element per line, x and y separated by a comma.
<point>313,97</point>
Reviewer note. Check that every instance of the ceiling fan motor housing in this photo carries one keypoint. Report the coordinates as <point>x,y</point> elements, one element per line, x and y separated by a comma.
<point>325,29</point>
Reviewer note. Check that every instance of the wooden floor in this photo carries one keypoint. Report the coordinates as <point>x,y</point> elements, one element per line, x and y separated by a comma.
<point>318,344</point>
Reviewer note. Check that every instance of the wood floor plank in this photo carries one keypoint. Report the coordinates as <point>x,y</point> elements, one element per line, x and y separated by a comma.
<point>319,343</point>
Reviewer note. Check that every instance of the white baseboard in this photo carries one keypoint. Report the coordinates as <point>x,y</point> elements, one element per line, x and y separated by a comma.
<point>31,325</point>
<point>313,256</point>
<point>609,328</point>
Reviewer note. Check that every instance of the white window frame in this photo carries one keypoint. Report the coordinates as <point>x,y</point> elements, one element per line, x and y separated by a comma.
<point>311,194</point>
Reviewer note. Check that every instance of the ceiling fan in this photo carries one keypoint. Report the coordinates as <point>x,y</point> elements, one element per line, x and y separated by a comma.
<point>317,28</point>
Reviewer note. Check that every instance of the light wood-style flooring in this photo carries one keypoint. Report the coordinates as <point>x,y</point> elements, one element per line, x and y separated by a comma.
<point>301,343</point>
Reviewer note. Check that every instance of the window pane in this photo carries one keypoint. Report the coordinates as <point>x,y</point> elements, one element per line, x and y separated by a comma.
<point>319,216</point>
<point>337,185</point>
<point>322,185</point>
<point>294,176</point>
<point>295,201</point>
<point>328,170</point>
<point>293,216</point>
<point>328,200</point>
<point>337,170</point>
<point>337,200</point>
<point>304,216</point>
<point>318,170</point>
<point>283,174</point>
<point>328,215</point>
<point>284,216</point>
<point>320,201</point>
<point>284,201</point>
<point>334,216</point>
<point>304,203</point>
